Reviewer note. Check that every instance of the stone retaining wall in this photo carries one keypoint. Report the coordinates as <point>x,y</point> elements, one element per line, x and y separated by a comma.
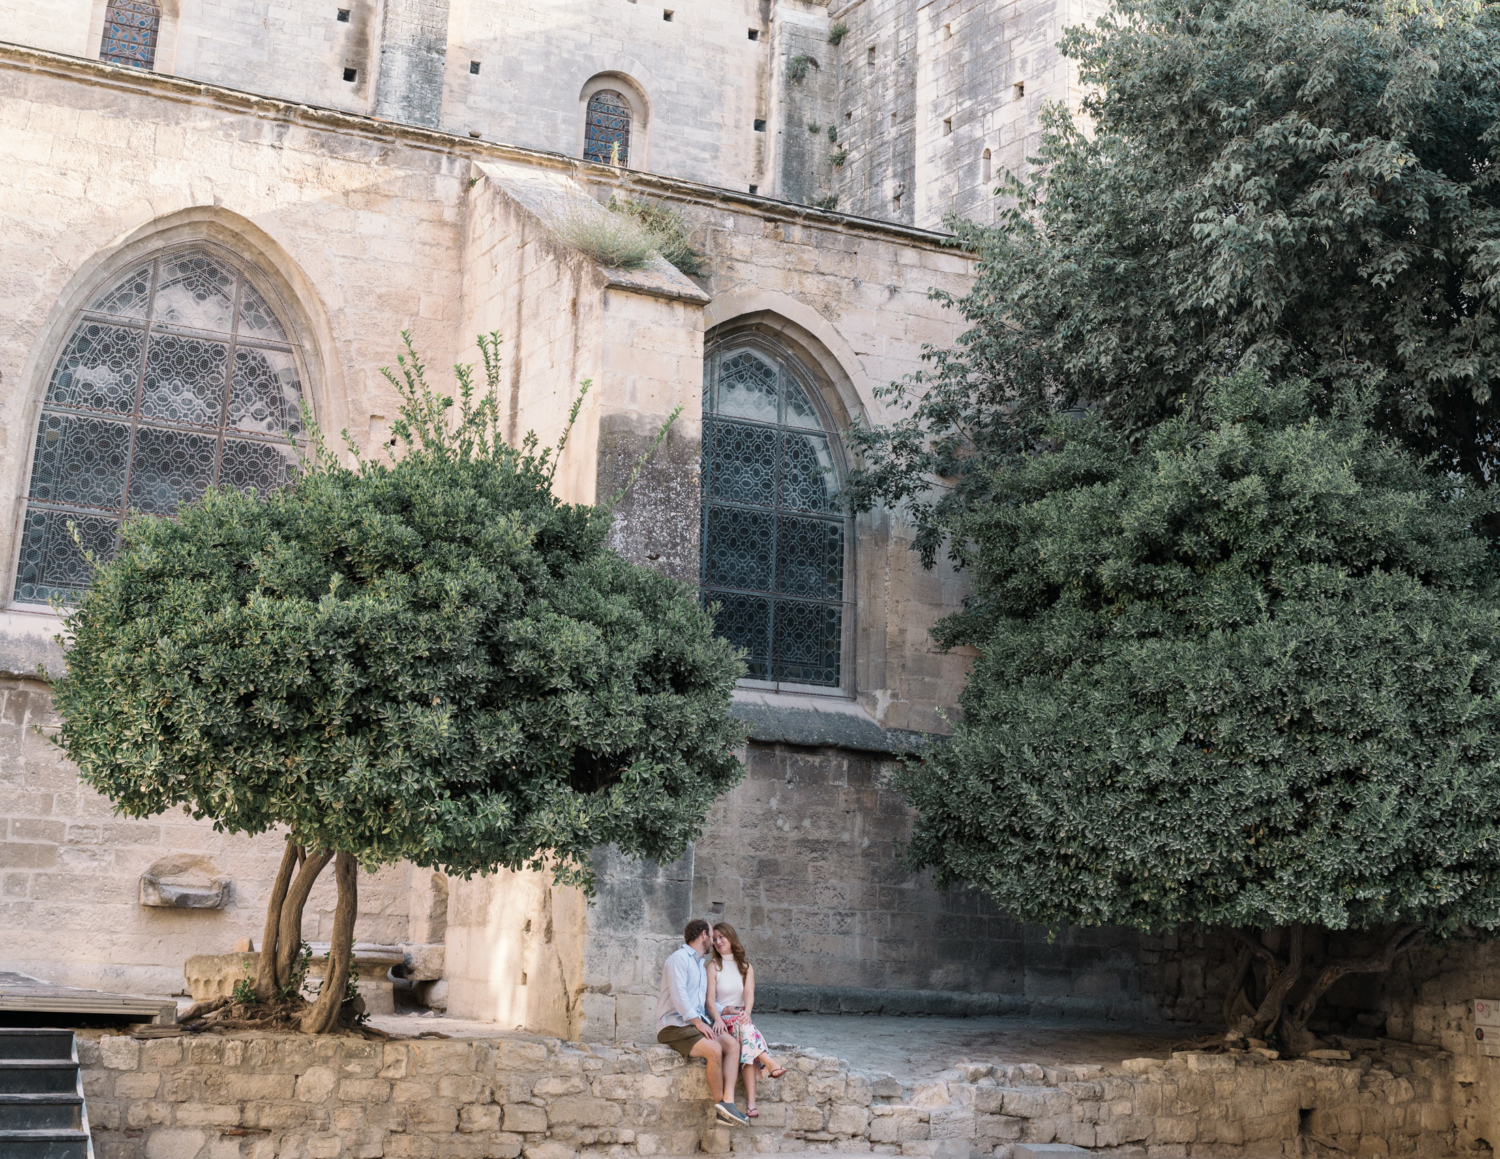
<point>264,1096</point>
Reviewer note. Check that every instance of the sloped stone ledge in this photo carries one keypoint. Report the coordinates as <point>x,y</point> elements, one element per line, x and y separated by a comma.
<point>269,1096</point>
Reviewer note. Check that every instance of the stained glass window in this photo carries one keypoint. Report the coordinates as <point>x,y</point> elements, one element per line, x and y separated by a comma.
<point>175,376</point>
<point>774,531</point>
<point>131,28</point>
<point>606,136</point>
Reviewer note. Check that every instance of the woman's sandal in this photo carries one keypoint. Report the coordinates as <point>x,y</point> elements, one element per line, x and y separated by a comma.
<point>777,1073</point>
<point>751,1113</point>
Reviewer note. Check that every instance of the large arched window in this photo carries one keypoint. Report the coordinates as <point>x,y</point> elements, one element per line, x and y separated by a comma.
<point>131,29</point>
<point>774,530</point>
<point>176,376</point>
<point>606,133</point>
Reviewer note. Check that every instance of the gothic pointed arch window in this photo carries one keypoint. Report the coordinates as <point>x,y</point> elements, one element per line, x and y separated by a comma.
<point>178,374</point>
<point>775,533</point>
<point>606,134</point>
<point>131,31</point>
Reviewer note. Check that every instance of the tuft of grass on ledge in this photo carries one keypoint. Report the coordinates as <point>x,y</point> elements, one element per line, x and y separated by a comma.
<point>611,239</point>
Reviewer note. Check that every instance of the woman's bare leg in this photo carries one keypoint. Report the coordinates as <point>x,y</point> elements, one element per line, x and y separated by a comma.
<point>747,1072</point>
<point>764,1059</point>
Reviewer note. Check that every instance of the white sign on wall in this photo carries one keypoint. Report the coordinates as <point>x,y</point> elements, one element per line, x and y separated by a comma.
<point>1487,1026</point>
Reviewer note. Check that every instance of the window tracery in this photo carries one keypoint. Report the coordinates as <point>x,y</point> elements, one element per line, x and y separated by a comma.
<point>774,531</point>
<point>175,376</point>
<point>606,136</point>
<point>131,30</point>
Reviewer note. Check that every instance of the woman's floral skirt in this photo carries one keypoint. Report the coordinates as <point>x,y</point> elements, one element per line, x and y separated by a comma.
<point>752,1042</point>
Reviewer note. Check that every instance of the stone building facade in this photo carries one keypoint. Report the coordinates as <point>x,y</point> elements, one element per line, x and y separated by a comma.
<point>329,177</point>
<point>279,190</point>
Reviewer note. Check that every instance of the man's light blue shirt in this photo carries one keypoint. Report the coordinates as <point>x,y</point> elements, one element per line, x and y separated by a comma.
<point>684,989</point>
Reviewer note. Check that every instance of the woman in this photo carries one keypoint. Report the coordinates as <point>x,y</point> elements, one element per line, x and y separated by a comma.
<point>731,991</point>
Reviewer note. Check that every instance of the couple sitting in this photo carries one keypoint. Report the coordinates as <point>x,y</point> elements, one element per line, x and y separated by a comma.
<point>707,993</point>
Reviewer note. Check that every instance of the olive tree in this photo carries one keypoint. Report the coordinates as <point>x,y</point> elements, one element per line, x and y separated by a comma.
<point>429,659</point>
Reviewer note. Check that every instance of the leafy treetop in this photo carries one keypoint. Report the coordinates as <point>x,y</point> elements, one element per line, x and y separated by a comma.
<point>1304,187</point>
<point>1243,674</point>
<point>430,659</point>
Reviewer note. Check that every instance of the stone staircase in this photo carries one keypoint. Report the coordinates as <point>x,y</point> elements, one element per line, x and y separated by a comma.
<point>42,1115</point>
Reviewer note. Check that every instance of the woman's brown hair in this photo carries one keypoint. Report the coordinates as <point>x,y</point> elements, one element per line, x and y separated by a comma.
<point>735,948</point>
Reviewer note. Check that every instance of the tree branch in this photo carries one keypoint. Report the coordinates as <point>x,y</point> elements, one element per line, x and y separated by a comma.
<point>289,932</point>
<point>265,971</point>
<point>325,1012</point>
<point>1404,937</point>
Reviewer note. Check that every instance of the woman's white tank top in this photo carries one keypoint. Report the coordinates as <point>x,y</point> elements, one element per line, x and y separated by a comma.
<point>730,988</point>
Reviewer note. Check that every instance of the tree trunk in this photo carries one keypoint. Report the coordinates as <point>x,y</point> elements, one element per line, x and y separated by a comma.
<point>1281,1006</point>
<point>289,932</point>
<point>266,984</point>
<point>324,1015</point>
<point>1296,1035</point>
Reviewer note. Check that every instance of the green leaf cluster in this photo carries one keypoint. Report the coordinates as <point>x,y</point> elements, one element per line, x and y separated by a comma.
<point>429,659</point>
<point>1246,672</point>
<point>1301,187</point>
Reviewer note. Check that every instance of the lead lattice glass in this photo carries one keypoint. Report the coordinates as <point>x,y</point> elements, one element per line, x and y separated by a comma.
<point>774,532</point>
<point>131,28</point>
<point>606,133</point>
<point>176,376</point>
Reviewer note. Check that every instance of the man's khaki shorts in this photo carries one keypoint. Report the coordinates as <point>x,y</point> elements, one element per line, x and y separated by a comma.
<point>682,1039</point>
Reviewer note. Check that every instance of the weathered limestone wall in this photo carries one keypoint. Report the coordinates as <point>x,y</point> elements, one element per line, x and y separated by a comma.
<point>937,98</point>
<point>54,25</point>
<point>70,871</point>
<point>801,856</point>
<point>259,1096</point>
<point>367,229</point>
<point>802,107</point>
<point>695,81</point>
<point>294,51</point>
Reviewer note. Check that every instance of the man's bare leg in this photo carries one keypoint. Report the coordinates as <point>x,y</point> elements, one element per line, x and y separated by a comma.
<point>730,1047</point>
<point>709,1051</point>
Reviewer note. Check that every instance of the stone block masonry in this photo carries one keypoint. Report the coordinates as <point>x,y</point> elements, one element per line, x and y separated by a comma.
<point>262,1096</point>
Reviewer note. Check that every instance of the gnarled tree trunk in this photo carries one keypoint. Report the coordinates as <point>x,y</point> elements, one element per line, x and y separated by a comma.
<point>289,930</point>
<point>266,981</point>
<point>324,1014</point>
<point>1286,1005</point>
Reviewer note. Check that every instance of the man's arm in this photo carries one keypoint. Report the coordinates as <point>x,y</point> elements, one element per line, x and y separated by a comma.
<point>677,991</point>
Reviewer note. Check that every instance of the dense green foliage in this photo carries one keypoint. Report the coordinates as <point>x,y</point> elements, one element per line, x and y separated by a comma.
<point>1246,673</point>
<point>431,659</point>
<point>1305,187</point>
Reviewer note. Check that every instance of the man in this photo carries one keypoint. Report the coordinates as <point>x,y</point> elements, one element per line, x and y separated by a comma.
<point>690,1030</point>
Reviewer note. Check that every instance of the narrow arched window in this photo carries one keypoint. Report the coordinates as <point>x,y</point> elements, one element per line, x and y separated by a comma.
<point>131,28</point>
<point>177,375</point>
<point>606,136</point>
<point>774,530</point>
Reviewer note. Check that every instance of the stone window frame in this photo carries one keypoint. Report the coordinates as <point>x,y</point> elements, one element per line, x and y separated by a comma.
<point>254,268</point>
<point>766,335</point>
<point>640,116</point>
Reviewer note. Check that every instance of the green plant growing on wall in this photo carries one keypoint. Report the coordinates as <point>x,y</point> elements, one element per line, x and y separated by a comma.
<point>814,127</point>
<point>430,659</point>
<point>838,157</point>
<point>668,229</point>
<point>1244,675</point>
<point>833,133</point>
<point>837,33</point>
<point>797,67</point>
<point>830,202</point>
<point>619,240</point>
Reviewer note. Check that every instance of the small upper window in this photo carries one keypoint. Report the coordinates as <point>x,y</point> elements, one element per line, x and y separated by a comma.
<point>131,29</point>
<point>176,376</point>
<point>606,136</point>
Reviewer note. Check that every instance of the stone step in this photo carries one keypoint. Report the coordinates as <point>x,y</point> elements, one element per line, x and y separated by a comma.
<point>50,1112</point>
<point>29,1076</point>
<point>19,1042</point>
<point>51,1144</point>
